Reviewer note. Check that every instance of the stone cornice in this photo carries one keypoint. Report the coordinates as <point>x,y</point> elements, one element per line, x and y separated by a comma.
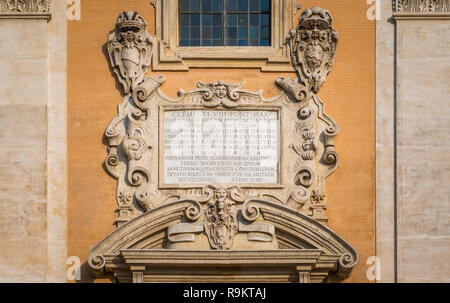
<point>421,16</point>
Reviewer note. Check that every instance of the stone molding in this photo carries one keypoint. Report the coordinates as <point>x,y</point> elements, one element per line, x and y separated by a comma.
<point>242,266</point>
<point>180,218</point>
<point>25,9</point>
<point>168,55</point>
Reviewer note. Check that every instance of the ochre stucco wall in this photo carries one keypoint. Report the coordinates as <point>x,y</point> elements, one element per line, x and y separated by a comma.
<point>93,96</point>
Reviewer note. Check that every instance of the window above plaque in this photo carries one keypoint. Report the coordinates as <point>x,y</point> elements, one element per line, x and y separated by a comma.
<point>223,34</point>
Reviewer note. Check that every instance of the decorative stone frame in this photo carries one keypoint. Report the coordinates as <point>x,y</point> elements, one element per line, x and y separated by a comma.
<point>162,233</point>
<point>168,55</point>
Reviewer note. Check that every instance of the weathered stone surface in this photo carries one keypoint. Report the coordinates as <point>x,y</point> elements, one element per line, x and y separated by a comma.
<point>23,87</point>
<point>423,130</point>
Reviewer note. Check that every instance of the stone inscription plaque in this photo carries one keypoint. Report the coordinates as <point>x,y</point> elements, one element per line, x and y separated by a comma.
<point>220,146</point>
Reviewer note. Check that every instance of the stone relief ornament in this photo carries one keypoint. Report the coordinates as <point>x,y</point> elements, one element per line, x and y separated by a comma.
<point>313,48</point>
<point>130,49</point>
<point>240,224</point>
<point>220,93</point>
<point>221,220</point>
<point>421,6</point>
<point>24,6</point>
<point>313,45</point>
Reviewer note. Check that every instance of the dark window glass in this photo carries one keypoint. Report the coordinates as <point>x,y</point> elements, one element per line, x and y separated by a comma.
<point>184,5</point>
<point>217,20</point>
<point>195,5</point>
<point>232,5</point>
<point>242,19</point>
<point>195,20</point>
<point>206,5</point>
<point>254,5</point>
<point>217,6</point>
<point>242,5</point>
<point>264,5</point>
<point>254,19</point>
<point>207,20</point>
<point>265,19</point>
<point>224,22</point>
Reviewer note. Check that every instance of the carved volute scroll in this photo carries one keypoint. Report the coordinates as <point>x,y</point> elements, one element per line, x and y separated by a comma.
<point>130,49</point>
<point>313,46</point>
<point>287,213</point>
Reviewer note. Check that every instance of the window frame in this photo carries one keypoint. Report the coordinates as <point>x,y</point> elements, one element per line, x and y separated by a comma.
<point>225,13</point>
<point>169,55</point>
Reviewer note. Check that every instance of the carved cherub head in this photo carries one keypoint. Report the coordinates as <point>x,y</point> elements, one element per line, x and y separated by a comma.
<point>221,193</point>
<point>220,92</point>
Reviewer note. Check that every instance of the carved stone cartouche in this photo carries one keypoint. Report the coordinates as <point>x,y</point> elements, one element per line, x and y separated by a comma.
<point>221,220</point>
<point>313,48</point>
<point>130,49</point>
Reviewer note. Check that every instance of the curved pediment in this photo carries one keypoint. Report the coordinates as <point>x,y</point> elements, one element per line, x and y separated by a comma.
<point>150,232</point>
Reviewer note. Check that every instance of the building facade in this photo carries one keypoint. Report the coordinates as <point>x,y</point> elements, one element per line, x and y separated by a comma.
<point>353,99</point>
